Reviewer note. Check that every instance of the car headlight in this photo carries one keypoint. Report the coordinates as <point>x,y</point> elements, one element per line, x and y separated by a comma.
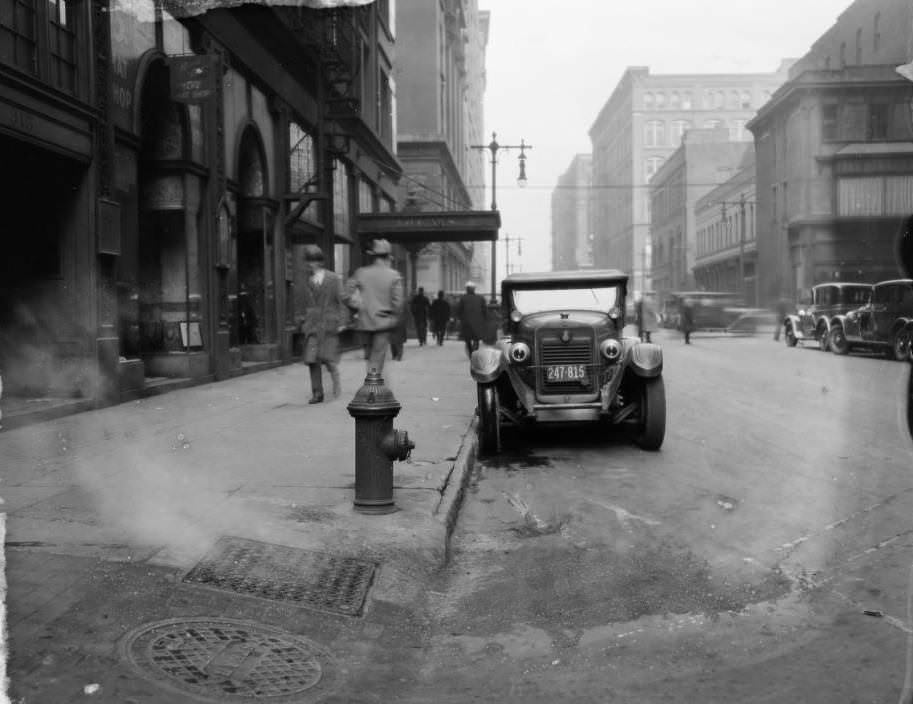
<point>519,352</point>
<point>516,316</point>
<point>610,349</point>
<point>801,312</point>
<point>615,313</point>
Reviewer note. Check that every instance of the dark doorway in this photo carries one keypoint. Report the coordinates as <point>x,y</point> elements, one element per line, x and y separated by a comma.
<point>44,343</point>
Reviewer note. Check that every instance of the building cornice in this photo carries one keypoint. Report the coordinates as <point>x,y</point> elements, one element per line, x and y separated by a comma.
<point>820,80</point>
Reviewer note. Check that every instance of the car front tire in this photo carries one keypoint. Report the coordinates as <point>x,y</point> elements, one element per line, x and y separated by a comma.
<point>823,339</point>
<point>790,336</point>
<point>653,414</point>
<point>900,346</point>
<point>489,420</point>
<point>839,344</point>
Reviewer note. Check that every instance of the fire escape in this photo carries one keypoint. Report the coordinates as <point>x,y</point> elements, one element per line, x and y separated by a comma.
<point>329,41</point>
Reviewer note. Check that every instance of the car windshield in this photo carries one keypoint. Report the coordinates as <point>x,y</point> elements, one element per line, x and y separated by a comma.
<point>592,298</point>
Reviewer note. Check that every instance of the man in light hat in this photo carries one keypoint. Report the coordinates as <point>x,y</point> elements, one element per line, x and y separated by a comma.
<point>473,315</point>
<point>375,291</point>
<point>324,318</point>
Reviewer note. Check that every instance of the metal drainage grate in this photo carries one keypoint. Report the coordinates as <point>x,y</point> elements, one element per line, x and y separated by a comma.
<point>224,660</point>
<point>304,577</point>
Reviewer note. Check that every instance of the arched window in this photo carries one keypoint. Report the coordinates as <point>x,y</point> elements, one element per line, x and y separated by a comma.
<point>686,100</point>
<point>876,32</point>
<point>648,101</point>
<point>660,101</point>
<point>707,99</point>
<point>675,101</point>
<point>654,133</point>
<point>719,99</point>
<point>732,100</point>
<point>745,100</point>
<point>859,47</point>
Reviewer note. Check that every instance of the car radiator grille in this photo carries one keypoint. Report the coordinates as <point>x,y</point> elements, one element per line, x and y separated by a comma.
<point>579,350</point>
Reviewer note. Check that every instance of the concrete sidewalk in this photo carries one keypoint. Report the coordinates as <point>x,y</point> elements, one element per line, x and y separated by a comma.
<point>160,479</point>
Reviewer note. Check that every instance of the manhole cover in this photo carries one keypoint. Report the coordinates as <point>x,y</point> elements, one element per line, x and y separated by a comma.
<point>281,573</point>
<point>224,660</point>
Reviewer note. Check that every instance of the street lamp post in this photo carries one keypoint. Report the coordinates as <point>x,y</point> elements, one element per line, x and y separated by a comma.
<point>741,203</point>
<point>494,148</point>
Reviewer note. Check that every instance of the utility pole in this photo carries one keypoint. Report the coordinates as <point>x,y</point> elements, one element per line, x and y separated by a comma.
<point>742,202</point>
<point>507,240</point>
<point>742,243</point>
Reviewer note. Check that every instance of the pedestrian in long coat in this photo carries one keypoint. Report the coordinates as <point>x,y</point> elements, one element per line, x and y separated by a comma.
<point>440,316</point>
<point>419,306</point>
<point>473,315</point>
<point>375,291</point>
<point>687,319</point>
<point>325,317</point>
<point>649,319</point>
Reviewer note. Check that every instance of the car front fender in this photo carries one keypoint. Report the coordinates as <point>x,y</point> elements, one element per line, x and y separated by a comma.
<point>850,327</point>
<point>795,323</point>
<point>486,364</point>
<point>647,360</point>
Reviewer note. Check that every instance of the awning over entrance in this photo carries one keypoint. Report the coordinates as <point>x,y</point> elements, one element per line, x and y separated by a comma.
<point>420,228</point>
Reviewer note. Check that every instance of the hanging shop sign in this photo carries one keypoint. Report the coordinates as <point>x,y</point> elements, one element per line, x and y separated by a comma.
<point>193,77</point>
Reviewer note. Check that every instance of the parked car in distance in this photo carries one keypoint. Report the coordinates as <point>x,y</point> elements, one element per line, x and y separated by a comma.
<point>884,323</point>
<point>818,306</point>
<point>563,359</point>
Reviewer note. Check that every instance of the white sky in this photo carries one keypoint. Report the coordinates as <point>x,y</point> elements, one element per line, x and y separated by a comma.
<point>552,64</point>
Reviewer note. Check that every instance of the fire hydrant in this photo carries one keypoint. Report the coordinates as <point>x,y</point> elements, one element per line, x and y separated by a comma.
<point>377,445</point>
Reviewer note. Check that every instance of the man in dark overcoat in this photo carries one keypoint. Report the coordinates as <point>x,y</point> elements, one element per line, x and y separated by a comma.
<point>440,316</point>
<point>687,319</point>
<point>473,315</point>
<point>419,306</point>
<point>325,317</point>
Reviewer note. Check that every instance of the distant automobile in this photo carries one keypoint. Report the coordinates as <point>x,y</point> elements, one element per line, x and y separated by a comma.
<point>884,323</point>
<point>563,359</point>
<point>711,310</point>
<point>818,306</point>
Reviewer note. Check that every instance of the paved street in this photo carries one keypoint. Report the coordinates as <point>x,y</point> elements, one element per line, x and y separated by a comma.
<point>734,565</point>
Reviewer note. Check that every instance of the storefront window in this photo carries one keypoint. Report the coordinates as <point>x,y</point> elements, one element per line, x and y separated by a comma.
<point>302,166</point>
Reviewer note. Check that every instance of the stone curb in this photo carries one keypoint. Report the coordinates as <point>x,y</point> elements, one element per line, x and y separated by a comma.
<point>448,509</point>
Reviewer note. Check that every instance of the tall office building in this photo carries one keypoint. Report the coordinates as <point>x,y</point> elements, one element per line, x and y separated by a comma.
<point>571,242</point>
<point>639,127</point>
<point>440,80</point>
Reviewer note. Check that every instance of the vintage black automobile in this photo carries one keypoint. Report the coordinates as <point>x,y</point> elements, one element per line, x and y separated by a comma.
<point>818,307</point>
<point>885,323</point>
<point>563,359</point>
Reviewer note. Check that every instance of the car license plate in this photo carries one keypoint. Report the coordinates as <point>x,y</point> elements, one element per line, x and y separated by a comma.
<point>558,373</point>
